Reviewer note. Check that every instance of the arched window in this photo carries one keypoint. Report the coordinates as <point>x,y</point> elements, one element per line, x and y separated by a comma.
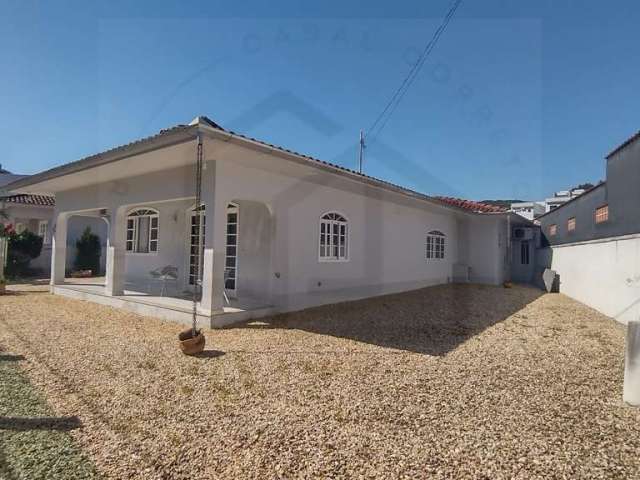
<point>435,245</point>
<point>142,231</point>
<point>334,238</point>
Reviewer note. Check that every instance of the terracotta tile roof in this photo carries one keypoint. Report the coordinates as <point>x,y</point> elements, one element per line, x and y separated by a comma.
<point>472,206</point>
<point>626,143</point>
<point>27,199</point>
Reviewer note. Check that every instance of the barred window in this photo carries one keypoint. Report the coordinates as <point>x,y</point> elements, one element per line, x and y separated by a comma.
<point>602,214</point>
<point>435,245</point>
<point>142,231</point>
<point>334,238</point>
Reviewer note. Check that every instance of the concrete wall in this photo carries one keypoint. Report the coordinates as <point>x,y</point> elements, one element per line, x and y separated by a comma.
<point>604,274</point>
<point>482,245</point>
<point>583,209</point>
<point>620,193</point>
<point>623,194</point>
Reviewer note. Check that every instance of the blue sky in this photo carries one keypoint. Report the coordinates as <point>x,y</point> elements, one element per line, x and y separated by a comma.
<point>518,99</point>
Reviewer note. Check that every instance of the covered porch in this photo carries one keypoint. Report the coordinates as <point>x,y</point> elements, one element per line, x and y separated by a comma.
<point>166,307</point>
<point>161,246</point>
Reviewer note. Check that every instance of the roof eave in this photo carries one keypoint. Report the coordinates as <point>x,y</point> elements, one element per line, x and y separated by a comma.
<point>319,164</point>
<point>161,140</point>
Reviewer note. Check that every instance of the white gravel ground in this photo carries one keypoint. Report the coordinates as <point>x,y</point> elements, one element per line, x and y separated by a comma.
<point>445,382</point>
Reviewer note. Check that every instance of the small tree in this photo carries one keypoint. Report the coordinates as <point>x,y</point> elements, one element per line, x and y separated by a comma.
<point>23,247</point>
<point>88,252</point>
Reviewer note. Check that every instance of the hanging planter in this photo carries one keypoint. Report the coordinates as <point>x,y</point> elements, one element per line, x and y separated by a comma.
<point>192,340</point>
<point>191,344</point>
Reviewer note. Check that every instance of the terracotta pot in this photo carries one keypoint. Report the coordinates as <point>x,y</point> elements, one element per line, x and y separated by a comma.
<point>189,344</point>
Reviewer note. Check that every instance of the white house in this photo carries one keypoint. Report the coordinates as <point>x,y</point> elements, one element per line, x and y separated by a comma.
<point>528,210</point>
<point>281,230</point>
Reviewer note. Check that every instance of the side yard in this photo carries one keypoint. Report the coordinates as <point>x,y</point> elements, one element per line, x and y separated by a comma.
<point>454,381</point>
<point>34,442</point>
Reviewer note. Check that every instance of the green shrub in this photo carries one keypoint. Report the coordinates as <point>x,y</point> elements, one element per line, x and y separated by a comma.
<point>88,252</point>
<point>23,247</point>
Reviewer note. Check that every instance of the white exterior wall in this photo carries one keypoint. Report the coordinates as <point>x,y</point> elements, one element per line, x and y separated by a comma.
<point>483,248</point>
<point>386,239</point>
<point>602,274</point>
<point>281,203</point>
<point>172,244</point>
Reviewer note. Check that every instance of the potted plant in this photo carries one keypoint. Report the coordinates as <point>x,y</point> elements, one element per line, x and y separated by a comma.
<point>191,341</point>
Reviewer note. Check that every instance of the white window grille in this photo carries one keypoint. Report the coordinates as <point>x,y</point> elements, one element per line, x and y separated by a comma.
<point>334,238</point>
<point>435,245</point>
<point>142,231</point>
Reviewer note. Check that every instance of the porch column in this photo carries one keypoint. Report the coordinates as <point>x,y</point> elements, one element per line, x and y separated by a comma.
<point>58,249</point>
<point>116,242</point>
<point>214,243</point>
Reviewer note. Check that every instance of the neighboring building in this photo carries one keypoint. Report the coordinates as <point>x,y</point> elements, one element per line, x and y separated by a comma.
<point>528,210</point>
<point>7,177</point>
<point>35,213</point>
<point>594,239</point>
<point>534,209</point>
<point>560,198</point>
<point>281,231</point>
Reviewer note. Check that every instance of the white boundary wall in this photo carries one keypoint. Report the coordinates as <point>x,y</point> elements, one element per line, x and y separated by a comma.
<point>604,274</point>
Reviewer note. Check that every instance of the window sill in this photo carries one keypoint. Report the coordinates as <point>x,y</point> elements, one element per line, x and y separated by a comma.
<point>333,260</point>
<point>142,254</point>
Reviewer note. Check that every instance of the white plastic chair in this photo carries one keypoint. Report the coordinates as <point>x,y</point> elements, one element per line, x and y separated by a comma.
<point>165,274</point>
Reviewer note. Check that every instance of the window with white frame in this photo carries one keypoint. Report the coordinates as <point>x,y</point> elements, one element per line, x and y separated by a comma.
<point>435,245</point>
<point>334,238</point>
<point>43,230</point>
<point>142,231</point>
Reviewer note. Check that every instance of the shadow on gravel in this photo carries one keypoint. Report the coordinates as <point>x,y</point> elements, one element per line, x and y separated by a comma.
<point>209,354</point>
<point>22,424</point>
<point>431,321</point>
<point>11,358</point>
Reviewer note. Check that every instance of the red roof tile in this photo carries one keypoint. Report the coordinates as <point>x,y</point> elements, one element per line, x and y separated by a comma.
<point>470,205</point>
<point>26,199</point>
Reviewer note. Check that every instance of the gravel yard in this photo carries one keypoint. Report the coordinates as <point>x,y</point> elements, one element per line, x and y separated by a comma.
<point>455,381</point>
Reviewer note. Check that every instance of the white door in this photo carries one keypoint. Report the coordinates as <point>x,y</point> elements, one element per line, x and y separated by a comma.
<point>231,263</point>
<point>194,255</point>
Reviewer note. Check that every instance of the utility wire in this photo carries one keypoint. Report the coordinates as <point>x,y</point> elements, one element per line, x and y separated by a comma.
<point>413,73</point>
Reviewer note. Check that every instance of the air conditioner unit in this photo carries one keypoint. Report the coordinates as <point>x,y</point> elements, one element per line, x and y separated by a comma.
<point>523,233</point>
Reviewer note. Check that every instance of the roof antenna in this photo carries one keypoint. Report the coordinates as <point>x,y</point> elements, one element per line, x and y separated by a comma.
<point>362,147</point>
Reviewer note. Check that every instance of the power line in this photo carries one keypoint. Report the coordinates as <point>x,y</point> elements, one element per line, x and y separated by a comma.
<point>412,74</point>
